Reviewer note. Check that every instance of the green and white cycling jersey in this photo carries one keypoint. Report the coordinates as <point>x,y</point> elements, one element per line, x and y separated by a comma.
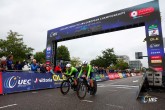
<point>71,71</point>
<point>88,70</point>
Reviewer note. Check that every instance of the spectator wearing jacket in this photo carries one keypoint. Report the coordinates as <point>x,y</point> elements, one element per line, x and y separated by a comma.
<point>58,69</point>
<point>10,62</point>
<point>18,65</point>
<point>43,68</point>
<point>34,65</point>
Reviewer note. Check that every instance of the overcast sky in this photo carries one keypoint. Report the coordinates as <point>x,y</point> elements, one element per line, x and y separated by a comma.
<point>32,19</point>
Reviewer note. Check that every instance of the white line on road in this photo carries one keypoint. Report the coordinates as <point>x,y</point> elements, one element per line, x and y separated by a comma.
<point>86,100</point>
<point>112,90</point>
<point>100,85</point>
<point>8,106</point>
<point>119,81</point>
<point>124,87</point>
<point>136,81</point>
<point>121,107</point>
<point>117,86</point>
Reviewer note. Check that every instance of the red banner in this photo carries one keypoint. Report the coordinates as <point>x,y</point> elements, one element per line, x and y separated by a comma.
<point>116,76</point>
<point>111,76</point>
<point>1,86</point>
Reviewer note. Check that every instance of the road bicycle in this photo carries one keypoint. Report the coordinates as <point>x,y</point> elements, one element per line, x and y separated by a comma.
<point>84,87</point>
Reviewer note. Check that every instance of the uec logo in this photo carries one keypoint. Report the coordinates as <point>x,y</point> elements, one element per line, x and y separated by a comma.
<point>10,82</point>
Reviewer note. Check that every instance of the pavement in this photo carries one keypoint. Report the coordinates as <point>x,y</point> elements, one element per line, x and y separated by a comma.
<point>119,94</point>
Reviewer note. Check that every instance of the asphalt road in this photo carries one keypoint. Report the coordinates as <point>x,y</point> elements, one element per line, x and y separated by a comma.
<point>117,94</point>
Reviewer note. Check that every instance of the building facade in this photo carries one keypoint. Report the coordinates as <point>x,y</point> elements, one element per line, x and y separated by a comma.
<point>136,64</point>
<point>125,58</point>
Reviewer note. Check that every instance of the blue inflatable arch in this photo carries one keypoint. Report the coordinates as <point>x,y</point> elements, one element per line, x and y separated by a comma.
<point>146,14</point>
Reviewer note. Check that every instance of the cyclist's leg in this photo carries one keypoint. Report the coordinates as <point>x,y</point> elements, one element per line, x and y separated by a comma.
<point>75,78</point>
<point>91,79</point>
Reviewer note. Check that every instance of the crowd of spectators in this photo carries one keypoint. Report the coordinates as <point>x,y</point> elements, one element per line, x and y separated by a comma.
<point>6,64</point>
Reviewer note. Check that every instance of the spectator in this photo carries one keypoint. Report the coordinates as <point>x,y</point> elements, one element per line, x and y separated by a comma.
<point>43,68</point>
<point>10,62</point>
<point>34,65</point>
<point>3,64</point>
<point>18,65</point>
<point>50,68</point>
<point>1,69</point>
<point>58,69</point>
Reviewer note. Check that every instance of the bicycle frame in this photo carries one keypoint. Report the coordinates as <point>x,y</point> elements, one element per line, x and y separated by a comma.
<point>85,82</point>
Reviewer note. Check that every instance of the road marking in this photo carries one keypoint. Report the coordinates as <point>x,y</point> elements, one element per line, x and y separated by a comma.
<point>121,107</point>
<point>112,90</point>
<point>124,87</point>
<point>8,106</point>
<point>117,86</point>
<point>119,81</point>
<point>136,81</point>
<point>87,101</point>
<point>100,86</point>
<point>34,92</point>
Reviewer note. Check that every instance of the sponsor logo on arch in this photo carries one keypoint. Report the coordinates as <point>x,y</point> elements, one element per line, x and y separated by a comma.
<point>142,12</point>
<point>154,39</point>
<point>153,30</point>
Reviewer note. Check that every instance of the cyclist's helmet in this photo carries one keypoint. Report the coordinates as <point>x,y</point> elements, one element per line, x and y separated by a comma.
<point>68,65</point>
<point>85,63</point>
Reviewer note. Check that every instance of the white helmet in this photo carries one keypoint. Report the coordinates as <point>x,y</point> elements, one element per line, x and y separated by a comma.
<point>85,62</point>
<point>68,65</point>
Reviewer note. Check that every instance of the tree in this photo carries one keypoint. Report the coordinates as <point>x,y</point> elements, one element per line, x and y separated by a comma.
<point>75,61</point>
<point>40,56</point>
<point>121,65</point>
<point>106,59</point>
<point>14,45</point>
<point>63,53</point>
<point>99,61</point>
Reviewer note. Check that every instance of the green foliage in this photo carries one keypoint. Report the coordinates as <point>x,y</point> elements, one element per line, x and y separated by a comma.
<point>108,57</point>
<point>121,65</point>
<point>75,61</point>
<point>14,45</point>
<point>63,53</point>
<point>40,56</point>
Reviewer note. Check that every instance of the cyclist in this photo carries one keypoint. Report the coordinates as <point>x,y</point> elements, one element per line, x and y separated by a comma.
<point>70,70</point>
<point>88,71</point>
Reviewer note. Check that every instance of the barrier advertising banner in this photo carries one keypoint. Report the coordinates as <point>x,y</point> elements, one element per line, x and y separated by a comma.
<point>124,75</point>
<point>16,82</point>
<point>111,76</point>
<point>97,77</point>
<point>42,81</point>
<point>116,76</point>
<point>57,79</point>
<point>1,87</point>
<point>106,76</point>
<point>120,75</point>
<point>24,81</point>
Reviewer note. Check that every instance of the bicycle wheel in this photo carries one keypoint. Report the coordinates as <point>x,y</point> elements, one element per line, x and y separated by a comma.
<point>81,90</point>
<point>65,87</point>
<point>95,87</point>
